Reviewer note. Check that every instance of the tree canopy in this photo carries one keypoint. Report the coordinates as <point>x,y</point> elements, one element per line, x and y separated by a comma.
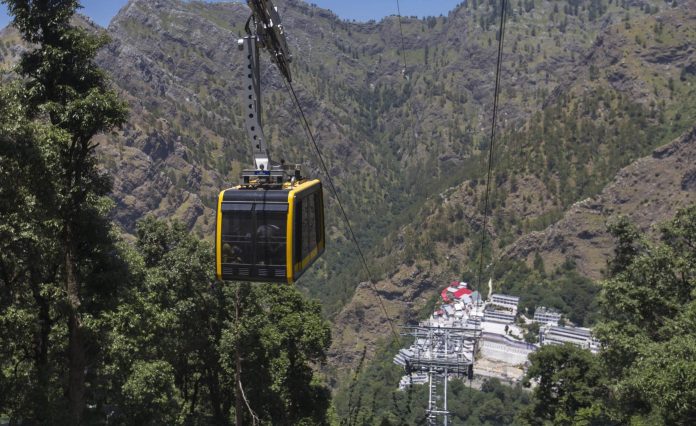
<point>645,372</point>
<point>97,330</point>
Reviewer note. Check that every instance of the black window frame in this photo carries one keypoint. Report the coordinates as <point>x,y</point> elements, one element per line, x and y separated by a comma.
<point>257,212</point>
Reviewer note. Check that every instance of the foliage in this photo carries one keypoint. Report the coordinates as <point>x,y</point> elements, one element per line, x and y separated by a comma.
<point>569,386</point>
<point>645,371</point>
<point>531,334</point>
<point>176,318</point>
<point>167,348</point>
<point>647,339</point>
<point>373,397</point>
<point>627,244</point>
<point>149,394</point>
<point>60,265</point>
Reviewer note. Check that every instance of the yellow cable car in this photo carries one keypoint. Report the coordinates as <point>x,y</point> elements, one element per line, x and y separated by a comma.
<point>271,226</point>
<point>270,235</point>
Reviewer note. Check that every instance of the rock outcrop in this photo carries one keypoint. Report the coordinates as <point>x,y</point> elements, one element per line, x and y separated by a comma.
<point>648,192</point>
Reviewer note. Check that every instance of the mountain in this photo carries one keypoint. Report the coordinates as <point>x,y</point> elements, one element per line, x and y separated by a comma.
<point>390,143</point>
<point>630,92</point>
<point>649,191</point>
<point>588,87</point>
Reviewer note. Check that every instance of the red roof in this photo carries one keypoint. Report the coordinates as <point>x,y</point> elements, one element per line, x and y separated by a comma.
<point>444,294</point>
<point>461,292</point>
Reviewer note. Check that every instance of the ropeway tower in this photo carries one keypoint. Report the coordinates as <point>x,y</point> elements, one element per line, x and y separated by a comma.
<point>440,353</point>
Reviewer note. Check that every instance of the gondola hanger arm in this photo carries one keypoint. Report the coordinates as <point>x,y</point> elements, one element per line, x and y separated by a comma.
<point>265,30</point>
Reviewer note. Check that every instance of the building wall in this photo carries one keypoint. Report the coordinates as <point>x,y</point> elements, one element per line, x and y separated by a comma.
<point>498,316</point>
<point>501,348</point>
<point>547,318</point>
<point>501,299</point>
<point>580,337</point>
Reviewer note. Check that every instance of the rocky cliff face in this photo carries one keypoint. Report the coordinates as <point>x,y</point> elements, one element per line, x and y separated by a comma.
<point>648,192</point>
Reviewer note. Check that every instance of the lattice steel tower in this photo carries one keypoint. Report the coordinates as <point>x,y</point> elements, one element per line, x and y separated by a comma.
<point>441,353</point>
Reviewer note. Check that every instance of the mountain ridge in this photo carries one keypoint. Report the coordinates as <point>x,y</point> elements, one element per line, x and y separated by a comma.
<point>668,183</point>
<point>526,197</point>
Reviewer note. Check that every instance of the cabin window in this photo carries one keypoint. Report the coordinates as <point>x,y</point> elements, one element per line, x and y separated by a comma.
<point>308,226</point>
<point>319,216</point>
<point>254,234</point>
<point>237,236</point>
<point>271,225</point>
<point>297,234</point>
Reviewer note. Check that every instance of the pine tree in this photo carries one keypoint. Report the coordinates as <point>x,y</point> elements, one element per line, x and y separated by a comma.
<point>65,90</point>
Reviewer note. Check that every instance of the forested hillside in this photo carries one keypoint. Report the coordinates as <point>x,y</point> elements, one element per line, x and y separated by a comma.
<point>390,142</point>
<point>585,131</point>
<point>597,116</point>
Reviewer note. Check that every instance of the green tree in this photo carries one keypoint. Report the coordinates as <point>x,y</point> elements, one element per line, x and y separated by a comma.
<point>627,244</point>
<point>270,345</point>
<point>570,387</point>
<point>646,370</point>
<point>229,351</point>
<point>532,333</point>
<point>150,395</point>
<point>649,341</point>
<point>28,264</point>
<point>64,91</point>
<point>168,316</point>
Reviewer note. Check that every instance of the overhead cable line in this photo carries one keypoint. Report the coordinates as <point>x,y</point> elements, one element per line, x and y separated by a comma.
<point>492,143</point>
<point>298,106</point>
<point>491,147</point>
<point>401,30</point>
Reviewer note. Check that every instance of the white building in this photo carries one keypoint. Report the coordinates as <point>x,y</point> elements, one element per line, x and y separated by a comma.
<point>578,336</point>
<point>547,316</point>
<point>505,300</point>
<point>506,349</point>
<point>494,315</point>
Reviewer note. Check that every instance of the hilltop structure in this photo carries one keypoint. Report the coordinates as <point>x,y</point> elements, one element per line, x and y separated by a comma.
<point>547,316</point>
<point>578,336</point>
<point>500,346</point>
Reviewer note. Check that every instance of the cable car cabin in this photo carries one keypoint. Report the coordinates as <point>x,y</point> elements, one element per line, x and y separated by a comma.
<point>270,235</point>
